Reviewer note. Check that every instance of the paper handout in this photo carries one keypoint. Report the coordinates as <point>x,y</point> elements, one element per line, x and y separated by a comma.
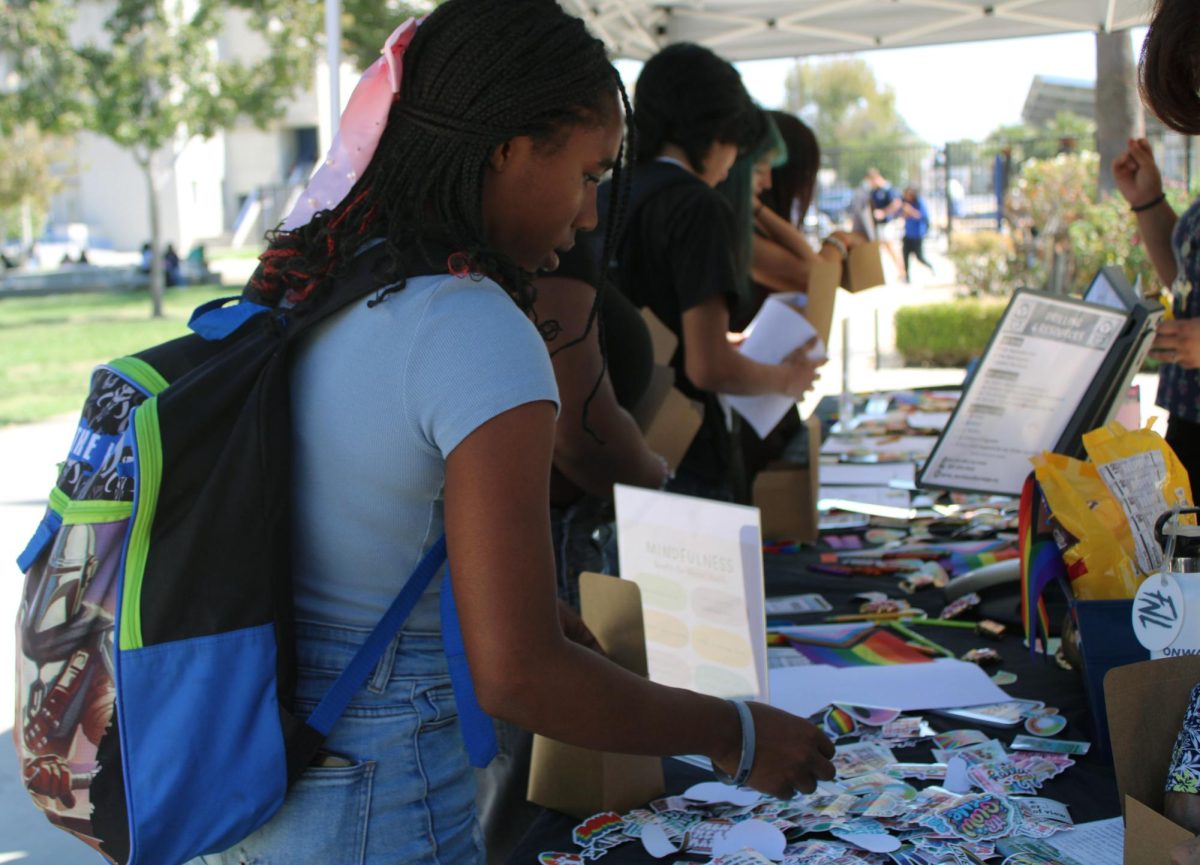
<point>777,331</point>
<point>698,564</point>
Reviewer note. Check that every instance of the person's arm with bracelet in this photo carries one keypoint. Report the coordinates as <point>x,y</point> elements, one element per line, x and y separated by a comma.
<point>1140,183</point>
<point>782,256</point>
<point>714,364</point>
<point>527,672</point>
<point>615,451</point>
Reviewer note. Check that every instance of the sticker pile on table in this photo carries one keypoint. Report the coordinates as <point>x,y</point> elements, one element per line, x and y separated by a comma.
<point>984,806</point>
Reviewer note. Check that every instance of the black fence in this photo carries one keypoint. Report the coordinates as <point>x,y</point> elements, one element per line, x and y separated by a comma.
<point>959,181</point>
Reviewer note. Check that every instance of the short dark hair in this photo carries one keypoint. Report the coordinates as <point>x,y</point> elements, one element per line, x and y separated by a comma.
<point>796,179</point>
<point>688,96</point>
<point>1169,68</point>
<point>476,74</point>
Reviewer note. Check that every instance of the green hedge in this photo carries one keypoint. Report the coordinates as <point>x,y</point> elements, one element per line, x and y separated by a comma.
<point>946,334</point>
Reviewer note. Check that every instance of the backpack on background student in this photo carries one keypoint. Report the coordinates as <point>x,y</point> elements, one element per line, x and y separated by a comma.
<point>155,647</point>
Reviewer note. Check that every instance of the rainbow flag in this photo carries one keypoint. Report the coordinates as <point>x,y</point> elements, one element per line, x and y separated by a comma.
<point>1041,563</point>
<point>857,644</point>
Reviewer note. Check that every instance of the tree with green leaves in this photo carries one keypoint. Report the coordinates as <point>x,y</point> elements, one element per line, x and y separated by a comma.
<point>156,77</point>
<point>853,115</point>
<point>367,23</point>
<point>27,178</point>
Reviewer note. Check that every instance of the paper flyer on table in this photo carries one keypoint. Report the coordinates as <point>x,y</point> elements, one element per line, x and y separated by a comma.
<point>940,684</point>
<point>699,566</point>
<point>867,474</point>
<point>777,331</point>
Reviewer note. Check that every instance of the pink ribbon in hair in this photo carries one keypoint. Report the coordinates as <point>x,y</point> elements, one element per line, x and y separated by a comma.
<point>358,135</point>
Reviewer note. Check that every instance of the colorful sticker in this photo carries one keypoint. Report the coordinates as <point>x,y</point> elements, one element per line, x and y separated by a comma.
<point>959,739</point>
<point>872,716</point>
<point>1004,779</point>
<point>1022,742</point>
<point>958,606</point>
<point>875,783</point>
<point>979,818</point>
<point>701,837</point>
<point>984,752</point>
<point>1004,677</point>
<point>861,758</point>
<point>550,858</point>
<point>838,722</point>
<point>596,827</point>
<point>1045,725</point>
<point>918,771</point>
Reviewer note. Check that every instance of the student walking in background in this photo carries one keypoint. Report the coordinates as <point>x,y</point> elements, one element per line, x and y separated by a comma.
<point>916,226</point>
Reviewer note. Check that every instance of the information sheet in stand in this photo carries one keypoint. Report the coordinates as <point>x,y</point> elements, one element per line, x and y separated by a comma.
<point>1036,372</point>
<point>698,564</point>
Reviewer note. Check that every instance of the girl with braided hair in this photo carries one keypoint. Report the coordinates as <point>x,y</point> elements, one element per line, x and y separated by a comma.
<point>430,407</point>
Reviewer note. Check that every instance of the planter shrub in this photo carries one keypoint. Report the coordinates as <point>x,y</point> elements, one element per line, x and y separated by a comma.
<point>946,334</point>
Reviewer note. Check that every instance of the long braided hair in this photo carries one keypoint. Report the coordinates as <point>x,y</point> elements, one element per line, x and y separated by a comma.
<point>477,73</point>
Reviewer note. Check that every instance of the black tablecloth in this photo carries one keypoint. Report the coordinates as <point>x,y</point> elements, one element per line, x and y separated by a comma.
<point>1088,787</point>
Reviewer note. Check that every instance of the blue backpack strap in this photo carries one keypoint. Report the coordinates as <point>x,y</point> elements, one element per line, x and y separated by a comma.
<point>215,320</point>
<point>478,732</point>
<point>335,701</point>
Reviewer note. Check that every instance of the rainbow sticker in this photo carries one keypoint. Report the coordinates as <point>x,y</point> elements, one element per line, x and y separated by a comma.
<point>838,722</point>
<point>596,827</point>
<point>872,716</point>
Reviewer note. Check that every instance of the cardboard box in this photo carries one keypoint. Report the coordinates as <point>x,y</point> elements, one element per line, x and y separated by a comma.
<point>786,494</point>
<point>578,781</point>
<point>667,418</point>
<point>1146,703</point>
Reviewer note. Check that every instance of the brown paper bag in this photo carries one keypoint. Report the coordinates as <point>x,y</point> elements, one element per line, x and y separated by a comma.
<point>786,495</point>
<point>578,781</point>
<point>823,280</point>
<point>1145,706</point>
<point>864,267</point>
<point>667,418</point>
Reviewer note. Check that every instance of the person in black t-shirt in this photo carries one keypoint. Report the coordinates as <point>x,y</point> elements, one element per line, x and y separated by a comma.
<point>676,254</point>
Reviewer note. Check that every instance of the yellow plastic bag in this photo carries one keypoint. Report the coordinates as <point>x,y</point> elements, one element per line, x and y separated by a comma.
<point>1090,529</point>
<point>1104,510</point>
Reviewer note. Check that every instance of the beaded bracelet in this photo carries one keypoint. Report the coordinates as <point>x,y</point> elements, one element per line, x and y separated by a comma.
<point>746,763</point>
<point>1153,202</point>
<point>837,244</point>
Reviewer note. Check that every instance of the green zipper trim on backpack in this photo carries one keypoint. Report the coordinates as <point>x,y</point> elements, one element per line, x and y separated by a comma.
<point>150,460</point>
<point>80,512</point>
<point>140,372</point>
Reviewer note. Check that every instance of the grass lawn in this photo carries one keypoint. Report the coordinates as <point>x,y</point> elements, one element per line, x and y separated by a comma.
<point>49,345</point>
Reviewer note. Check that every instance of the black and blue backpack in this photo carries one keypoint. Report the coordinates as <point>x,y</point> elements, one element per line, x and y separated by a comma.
<point>155,646</point>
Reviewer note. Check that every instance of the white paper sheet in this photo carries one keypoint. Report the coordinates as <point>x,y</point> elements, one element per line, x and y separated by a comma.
<point>941,684</point>
<point>1100,842</point>
<point>867,474</point>
<point>838,497</point>
<point>935,420</point>
<point>699,565</point>
<point>777,331</point>
<point>919,446</point>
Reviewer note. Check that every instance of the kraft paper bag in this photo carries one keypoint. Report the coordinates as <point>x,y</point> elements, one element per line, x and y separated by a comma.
<point>1145,706</point>
<point>823,280</point>
<point>786,494</point>
<point>864,268</point>
<point>667,418</point>
<point>578,781</point>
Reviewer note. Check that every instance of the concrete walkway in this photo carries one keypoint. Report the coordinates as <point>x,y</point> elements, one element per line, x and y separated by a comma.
<point>29,454</point>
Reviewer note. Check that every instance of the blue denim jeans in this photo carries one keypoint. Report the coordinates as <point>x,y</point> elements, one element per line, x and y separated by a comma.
<point>394,784</point>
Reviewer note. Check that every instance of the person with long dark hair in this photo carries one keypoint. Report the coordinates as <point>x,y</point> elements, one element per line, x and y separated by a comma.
<point>1169,77</point>
<point>430,406</point>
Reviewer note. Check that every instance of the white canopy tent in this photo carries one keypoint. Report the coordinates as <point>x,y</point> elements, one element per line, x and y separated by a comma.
<point>761,29</point>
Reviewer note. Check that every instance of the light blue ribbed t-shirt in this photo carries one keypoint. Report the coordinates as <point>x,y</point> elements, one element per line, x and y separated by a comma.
<point>380,398</point>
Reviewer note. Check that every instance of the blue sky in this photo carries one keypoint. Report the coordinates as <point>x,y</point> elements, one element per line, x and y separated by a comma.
<point>950,92</point>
